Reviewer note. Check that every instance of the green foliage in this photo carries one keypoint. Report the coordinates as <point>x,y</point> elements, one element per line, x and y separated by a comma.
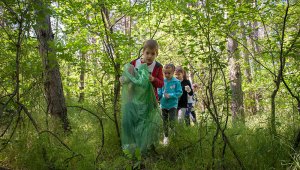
<point>190,33</point>
<point>190,147</point>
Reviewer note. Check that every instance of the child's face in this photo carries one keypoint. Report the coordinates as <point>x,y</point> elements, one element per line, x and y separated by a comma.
<point>195,89</point>
<point>149,55</point>
<point>168,73</point>
<point>179,75</point>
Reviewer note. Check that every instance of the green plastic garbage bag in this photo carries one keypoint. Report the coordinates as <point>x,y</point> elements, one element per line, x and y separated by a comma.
<point>141,119</point>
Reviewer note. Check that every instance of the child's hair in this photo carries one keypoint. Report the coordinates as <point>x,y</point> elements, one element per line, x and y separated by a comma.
<point>170,66</point>
<point>195,85</point>
<point>151,44</point>
<point>179,69</point>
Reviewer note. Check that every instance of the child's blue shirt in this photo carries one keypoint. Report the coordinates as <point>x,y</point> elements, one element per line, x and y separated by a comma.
<point>174,89</point>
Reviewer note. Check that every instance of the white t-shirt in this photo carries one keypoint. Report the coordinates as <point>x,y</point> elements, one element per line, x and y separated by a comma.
<point>190,99</point>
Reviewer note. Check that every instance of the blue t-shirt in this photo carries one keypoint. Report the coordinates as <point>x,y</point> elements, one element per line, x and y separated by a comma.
<point>173,88</point>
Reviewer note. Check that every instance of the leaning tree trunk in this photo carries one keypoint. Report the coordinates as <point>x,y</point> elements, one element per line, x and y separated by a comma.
<point>235,81</point>
<point>53,88</point>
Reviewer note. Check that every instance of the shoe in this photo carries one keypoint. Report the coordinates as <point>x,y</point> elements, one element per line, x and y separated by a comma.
<point>166,141</point>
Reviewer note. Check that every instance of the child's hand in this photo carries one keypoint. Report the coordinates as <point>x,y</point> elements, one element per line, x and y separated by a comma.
<point>187,88</point>
<point>123,80</point>
<point>151,78</point>
<point>131,70</point>
<point>166,95</point>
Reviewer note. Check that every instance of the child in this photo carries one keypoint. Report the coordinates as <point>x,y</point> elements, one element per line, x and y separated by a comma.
<point>192,99</point>
<point>169,96</point>
<point>150,52</point>
<point>183,100</point>
<point>140,112</point>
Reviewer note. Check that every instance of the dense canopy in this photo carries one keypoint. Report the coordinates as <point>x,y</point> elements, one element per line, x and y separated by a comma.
<point>60,95</point>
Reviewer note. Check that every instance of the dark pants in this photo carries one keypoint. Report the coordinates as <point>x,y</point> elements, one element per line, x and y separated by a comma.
<point>194,116</point>
<point>190,110</point>
<point>169,116</point>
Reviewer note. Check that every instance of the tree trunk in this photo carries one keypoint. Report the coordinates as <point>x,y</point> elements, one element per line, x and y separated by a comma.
<point>279,77</point>
<point>273,111</point>
<point>110,48</point>
<point>256,48</point>
<point>68,82</point>
<point>250,106</point>
<point>52,79</point>
<point>18,56</point>
<point>297,141</point>
<point>256,34</point>
<point>82,73</point>
<point>235,81</point>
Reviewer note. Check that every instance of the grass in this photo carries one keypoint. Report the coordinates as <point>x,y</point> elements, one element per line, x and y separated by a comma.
<point>190,147</point>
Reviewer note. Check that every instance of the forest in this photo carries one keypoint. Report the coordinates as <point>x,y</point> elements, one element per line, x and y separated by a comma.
<point>60,94</point>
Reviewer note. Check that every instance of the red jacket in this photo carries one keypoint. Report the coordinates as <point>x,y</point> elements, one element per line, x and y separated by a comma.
<point>156,72</point>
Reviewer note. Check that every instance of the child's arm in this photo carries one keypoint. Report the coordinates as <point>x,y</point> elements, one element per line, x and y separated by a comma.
<point>160,93</point>
<point>129,69</point>
<point>123,80</point>
<point>158,81</point>
<point>191,90</point>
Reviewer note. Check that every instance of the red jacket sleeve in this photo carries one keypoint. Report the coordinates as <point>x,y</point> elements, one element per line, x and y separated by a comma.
<point>133,62</point>
<point>158,78</point>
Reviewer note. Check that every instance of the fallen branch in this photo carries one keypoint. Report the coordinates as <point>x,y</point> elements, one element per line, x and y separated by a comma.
<point>101,125</point>
<point>65,145</point>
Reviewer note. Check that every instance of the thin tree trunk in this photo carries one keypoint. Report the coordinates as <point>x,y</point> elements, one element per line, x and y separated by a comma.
<point>257,50</point>
<point>112,53</point>
<point>18,55</point>
<point>19,18</point>
<point>273,111</point>
<point>297,141</point>
<point>256,35</point>
<point>52,79</point>
<point>250,106</point>
<point>279,76</point>
<point>68,94</point>
<point>82,75</point>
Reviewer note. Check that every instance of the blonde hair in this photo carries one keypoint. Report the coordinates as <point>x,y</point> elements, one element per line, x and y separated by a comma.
<point>170,65</point>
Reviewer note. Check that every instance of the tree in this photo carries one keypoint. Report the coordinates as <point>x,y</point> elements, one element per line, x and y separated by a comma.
<point>82,75</point>
<point>235,78</point>
<point>52,79</point>
<point>279,75</point>
<point>250,95</point>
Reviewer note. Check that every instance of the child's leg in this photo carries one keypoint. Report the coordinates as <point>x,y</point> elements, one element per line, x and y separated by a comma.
<point>165,117</point>
<point>193,116</point>
<point>187,114</point>
<point>172,117</point>
<point>181,113</point>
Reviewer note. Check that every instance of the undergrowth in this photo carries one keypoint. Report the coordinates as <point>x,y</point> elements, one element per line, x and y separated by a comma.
<point>199,146</point>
